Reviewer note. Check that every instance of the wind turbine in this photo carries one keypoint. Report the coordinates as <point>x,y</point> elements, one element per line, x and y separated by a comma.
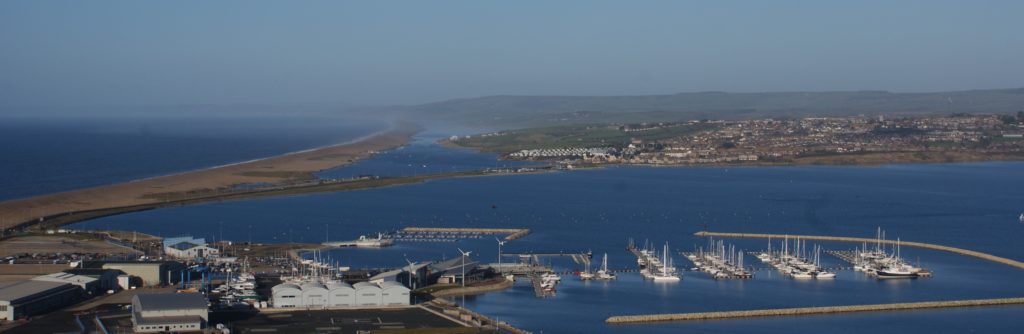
<point>500,243</point>
<point>464,256</point>
<point>410,272</point>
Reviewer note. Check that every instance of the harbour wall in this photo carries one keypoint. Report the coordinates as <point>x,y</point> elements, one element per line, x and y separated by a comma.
<point>628,319</point>
<point>513,233</point>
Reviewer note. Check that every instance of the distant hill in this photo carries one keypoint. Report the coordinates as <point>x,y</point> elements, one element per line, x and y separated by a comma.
<point>529,111</point>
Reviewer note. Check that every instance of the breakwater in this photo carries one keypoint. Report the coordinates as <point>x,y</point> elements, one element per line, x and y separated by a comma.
<point>513,233</point>
<point>627,319</point>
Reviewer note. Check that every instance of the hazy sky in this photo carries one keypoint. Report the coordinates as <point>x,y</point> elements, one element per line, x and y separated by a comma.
<point>383,52</point>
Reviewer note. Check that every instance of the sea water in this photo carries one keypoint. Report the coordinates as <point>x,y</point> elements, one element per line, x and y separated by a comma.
<point>45,155</point>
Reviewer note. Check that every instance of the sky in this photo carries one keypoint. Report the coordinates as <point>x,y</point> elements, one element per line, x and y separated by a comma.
<point>83,53</point>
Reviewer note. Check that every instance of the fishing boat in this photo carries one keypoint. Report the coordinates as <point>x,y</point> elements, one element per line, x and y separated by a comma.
<point>1021,218</point>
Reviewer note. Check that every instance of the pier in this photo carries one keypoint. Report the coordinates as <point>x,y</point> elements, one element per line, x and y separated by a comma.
<point>630,319</point>
<point>579,258</point>
<point>961,251</point>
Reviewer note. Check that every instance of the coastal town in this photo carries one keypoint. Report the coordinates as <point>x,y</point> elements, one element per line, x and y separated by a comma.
<point>823,140</point>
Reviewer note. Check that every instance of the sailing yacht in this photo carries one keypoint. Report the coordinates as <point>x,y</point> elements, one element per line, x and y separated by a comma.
<point>896,267</point>
<point>604,273</point>
<point>666,272</point>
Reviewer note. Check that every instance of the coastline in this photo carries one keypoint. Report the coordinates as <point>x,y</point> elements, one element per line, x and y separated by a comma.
<point>273,171</point>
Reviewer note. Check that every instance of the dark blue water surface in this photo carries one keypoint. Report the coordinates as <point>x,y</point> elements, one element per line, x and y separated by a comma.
<point>40,156</point>
<point>973,206</point>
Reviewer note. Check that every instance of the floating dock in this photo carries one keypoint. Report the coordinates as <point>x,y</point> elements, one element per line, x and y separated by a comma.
<point>631,319</point>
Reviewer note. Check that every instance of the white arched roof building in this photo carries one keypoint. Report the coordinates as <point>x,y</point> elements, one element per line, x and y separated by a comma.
<point>394,293</point>
<point>340,294</point>
<point>314,294</point>
<point>367,294</point>
<point>287,295</point>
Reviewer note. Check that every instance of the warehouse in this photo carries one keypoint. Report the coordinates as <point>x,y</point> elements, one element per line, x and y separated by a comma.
<point>32,297</point>
<point>107,277</point>
<point>341,294</point>
<point>169,312</point>
<point>394,293</point>
<point>367,294</point>
<point>314,295</point>
<point>287,295</point>
<point>88,284</point>
<point>152,273</point>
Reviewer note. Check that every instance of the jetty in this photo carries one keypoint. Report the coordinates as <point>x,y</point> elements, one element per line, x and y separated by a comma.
<point>961,251</point>
<point>632,319</point>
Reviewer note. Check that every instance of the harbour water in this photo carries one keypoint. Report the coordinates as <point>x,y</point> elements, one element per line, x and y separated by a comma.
<point>972,205</point>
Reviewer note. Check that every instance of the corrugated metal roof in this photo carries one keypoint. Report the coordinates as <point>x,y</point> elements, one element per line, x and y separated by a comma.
<point>338,285</point>
<point>285,286</point>
<point>170,301</point>
<point>365,285</point>
<point>14,291</point>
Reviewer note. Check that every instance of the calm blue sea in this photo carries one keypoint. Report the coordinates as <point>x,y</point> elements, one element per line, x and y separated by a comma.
<point>972,205</point>
<point>46,155</point>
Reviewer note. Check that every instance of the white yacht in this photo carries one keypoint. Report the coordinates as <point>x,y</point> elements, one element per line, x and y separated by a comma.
<point>604,273</point>
<point>665,272</point>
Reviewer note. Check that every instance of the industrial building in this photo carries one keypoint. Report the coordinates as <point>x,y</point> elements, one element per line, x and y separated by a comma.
<point>32,297</point>
<point>188,248</point>
<point>88,284</point>
<point>169,312</point>
<point>452,270</point>
<point>394,293</point>
<point>314,295</point>
<point>107,277</point>
<point>152,273</point>
<point>286,295</point>
<point>339,294</point>
<point>367,294</point>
